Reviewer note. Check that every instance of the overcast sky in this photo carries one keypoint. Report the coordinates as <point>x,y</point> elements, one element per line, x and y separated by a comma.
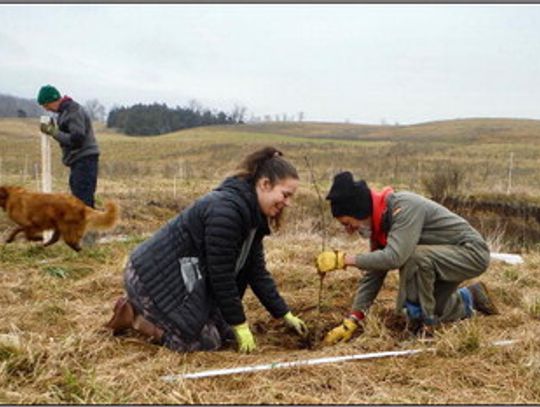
<point>362,63</point>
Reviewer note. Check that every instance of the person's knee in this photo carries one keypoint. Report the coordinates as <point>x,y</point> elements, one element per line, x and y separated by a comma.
<point>418,261</point>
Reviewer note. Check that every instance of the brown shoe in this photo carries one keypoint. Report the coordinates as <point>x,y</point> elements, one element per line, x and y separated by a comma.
<point>123,317</point>
<point>145,327</point>
<point>481,300</point>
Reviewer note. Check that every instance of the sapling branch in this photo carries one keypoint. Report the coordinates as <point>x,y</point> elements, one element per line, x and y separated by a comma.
<point>323,229</point>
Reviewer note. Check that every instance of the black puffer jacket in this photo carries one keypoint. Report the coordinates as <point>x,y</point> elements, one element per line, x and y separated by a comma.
<point>188,266</point>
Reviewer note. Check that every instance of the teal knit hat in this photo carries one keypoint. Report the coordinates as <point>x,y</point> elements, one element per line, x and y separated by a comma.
<point>48,94</point>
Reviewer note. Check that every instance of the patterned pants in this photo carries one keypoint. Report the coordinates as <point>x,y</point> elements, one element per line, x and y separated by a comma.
<point>215,333</point>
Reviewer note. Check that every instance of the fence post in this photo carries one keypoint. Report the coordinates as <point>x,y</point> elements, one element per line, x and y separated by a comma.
<point>510,167</point>
<point>46,172</point>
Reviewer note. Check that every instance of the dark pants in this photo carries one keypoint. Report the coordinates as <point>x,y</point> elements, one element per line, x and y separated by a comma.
<point>83,178</point>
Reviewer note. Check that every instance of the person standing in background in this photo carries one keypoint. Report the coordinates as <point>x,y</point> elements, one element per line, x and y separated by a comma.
<point>73,131</point>
<point>80,152</point>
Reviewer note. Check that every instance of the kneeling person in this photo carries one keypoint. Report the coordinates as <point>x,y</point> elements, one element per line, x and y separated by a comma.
<point>434,249</point>
<point>185,284</point>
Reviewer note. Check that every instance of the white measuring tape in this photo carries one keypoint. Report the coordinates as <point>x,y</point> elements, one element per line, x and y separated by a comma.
<point>306,362</point>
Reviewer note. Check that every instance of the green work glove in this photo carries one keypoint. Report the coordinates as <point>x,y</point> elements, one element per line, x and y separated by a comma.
<point>51,128</point>
<point>330,260</point>
<point>296,323</point>
<point>341,333</point>
<point>244,338</point>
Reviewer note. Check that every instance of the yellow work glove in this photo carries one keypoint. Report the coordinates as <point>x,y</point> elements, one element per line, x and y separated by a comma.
<point>296,323</point>
<point>49,128</point>
<point>341,333</point>
<point>244,338</point>
<point>330,260</point>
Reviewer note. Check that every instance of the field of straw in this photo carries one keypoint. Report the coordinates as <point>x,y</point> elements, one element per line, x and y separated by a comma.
<point>54,302</point>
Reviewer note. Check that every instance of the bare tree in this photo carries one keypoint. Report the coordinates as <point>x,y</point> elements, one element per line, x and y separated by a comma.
<point>95,110</point>
<point>238,113</point>
<point>195,105</point>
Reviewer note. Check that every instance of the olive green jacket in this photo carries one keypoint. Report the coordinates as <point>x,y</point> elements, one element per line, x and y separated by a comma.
<point>418,221</point>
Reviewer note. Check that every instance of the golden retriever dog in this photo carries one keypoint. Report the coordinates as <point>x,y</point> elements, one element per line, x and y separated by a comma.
<point>65,214</point>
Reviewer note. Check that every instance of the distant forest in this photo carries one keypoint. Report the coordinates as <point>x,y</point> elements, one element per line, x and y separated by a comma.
<point>12,106</point>
<point>157,118</point>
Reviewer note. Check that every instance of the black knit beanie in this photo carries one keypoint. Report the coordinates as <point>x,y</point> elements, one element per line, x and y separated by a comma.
<point>349,198</point>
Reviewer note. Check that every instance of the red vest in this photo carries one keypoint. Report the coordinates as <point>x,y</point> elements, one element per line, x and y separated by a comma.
<point>378,236</point>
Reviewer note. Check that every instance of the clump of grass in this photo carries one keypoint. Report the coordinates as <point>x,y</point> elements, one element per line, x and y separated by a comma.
<point>509,295</point>
<point>531,304</point>
<point>55,271</point>
<point>63,271</point>
<point>459,339</point>
<point>21,362</point>
<point>9,346</point>
<point>51,313</point>
<point>511,274</point>
<point>74,387</point>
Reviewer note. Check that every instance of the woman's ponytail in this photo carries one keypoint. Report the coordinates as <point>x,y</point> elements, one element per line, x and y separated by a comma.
<point>265,162</point>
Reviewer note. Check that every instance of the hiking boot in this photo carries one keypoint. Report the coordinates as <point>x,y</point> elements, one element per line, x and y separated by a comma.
<point>123,316</point>
<point>481,300</point>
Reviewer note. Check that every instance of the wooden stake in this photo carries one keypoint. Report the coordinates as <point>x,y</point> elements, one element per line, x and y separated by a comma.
<point>510,167</point>
<point>25,171</point>
<point>46,171</point>
<point>36,173</point>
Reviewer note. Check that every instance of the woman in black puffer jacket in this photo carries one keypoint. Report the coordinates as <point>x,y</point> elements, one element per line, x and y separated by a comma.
<point>185,284</point>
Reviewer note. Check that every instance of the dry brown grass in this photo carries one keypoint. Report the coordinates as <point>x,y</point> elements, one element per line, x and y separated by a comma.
<point>54,303</point>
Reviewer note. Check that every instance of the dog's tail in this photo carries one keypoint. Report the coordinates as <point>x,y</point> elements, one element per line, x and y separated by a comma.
<point>103,219</point>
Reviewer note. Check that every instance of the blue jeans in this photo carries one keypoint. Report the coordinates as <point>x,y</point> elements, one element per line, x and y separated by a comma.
<point>83,179</point>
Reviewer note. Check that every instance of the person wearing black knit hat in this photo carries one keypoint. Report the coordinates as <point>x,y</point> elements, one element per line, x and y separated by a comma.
<point>434,249</point>
<point>350,198</point>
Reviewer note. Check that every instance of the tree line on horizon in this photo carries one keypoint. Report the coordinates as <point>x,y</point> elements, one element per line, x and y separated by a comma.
<point>13,106</point>
<point>158,118</point>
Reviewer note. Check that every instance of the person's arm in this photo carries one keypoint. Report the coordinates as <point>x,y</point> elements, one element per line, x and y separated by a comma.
<point>76,133</point>
<point>368,289</point>
<point>263,285</point>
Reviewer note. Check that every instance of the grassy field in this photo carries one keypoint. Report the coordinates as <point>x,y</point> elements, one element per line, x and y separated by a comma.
<point>53,348</point>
